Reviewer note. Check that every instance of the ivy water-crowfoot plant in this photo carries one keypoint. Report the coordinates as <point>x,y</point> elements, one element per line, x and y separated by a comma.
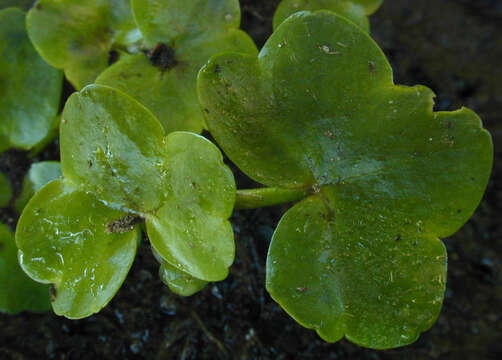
<point>383,177</point>
<point>80,233</point>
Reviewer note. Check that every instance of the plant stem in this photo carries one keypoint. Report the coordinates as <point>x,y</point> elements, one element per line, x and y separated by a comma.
<point>256,198</point>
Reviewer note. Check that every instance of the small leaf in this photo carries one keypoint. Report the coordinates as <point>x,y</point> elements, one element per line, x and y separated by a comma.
<point>19,293</point>
<point>62,240</point>
<point>178,281</point>
<point>57,30</point>
<point>173,19</point>
<point>5,190</point>
<point>354,10</point>
<point>39,174</point>
<point>111,145</point>
<point>191,231</point>
<point>24,120</point>
<point>389,176</point>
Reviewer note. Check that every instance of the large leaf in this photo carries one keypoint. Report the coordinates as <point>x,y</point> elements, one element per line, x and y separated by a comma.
<point>64,238</point>
<point>354,10</point>
<point>390,175</point>
<point>18,292</point>
<point>78,35</point>
<point>30,89</point>
<point>5,190</point>
<point>39,174</point>
<point>165,80</point>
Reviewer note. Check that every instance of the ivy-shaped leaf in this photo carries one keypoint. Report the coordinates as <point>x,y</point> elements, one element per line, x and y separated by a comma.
<point>182,36</point>
<point>119,168</point>
<point>356,11</point>
<point>30,89</point>
<point>18,292</point>
<point>361,257</point>
<point>39,174</point>
<point>5,190</point>
<point>78,35</point>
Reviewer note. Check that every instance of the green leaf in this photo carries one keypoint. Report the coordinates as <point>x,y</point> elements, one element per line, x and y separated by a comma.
<point>178,281</point>
<point>161,20</point>
<point>354,10</point>
<point>64,238</point>
<point>5,190</point>
<point>19,292</point>
<point>39,174</point>
<point>388,172</point>
<point>190,34</point>
<point>57,30</point>
<point>22,4</point>
<point>24,120</point>
<point>111,145</point>
<point>191,231</point>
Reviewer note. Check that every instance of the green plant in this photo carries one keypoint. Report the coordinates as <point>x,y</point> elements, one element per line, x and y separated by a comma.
<point>361,256</point>
<point>30,119</point>
<point>356,11</point>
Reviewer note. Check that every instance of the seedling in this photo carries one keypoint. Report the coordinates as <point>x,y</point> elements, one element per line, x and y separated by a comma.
<point>356,11</point>
<point>28,119</point>
<point>80,232</point>
<point>19,292</point>
<point>180,37</point>
<point>382,176</point>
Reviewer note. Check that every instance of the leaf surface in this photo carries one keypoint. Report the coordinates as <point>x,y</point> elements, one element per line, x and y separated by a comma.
<point>387,172</point>
<point>24,120</point>
<point>64,238</point>
<point>180,282</point>
<point>19,293</point>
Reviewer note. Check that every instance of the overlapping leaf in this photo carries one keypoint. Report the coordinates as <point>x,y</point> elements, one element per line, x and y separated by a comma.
<point>165,80</point>
<point>78,35</point>
<point>318,109</point>
<point>356,11</point>
<point>18,292</point>
<point>39,174</point>
<point>79,232</point>
<point>30,89</point>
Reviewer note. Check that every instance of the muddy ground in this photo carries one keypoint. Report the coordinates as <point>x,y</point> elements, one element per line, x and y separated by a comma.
<point>452,46</point>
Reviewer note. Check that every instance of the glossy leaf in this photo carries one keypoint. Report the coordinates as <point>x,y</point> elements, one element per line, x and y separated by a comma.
<point>180,282</point>
<point>191,231</point>
<point>113,146</point>
<point>63,238</point>
<point>354,10</point>
<point>24,120</point>
<point>391,176</point>
<point>19,292</point>
<point>5,190</point>
<point>171,93</point>
<point>78,35</point>
<point>39,174</point>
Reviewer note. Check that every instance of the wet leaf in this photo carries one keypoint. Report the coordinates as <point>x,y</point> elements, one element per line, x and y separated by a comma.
<point>57,30</point>
<point>5,190</point>
<point>19,292</point>
<point>39,174</point>
<point>390,176</point>
<point>182,36</point>
<point>24,120</point>
<point>354,10</point>
<point>180,282</point>
<point>62,240</point>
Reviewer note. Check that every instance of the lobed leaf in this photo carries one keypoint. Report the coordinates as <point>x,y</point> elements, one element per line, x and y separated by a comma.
<point>64,238</point>
<point>78,35</point>
<point>390,175</point>
<point>5,190</point>
<point>24,120</point>
<point>39,174</point>
<point>19,293</point>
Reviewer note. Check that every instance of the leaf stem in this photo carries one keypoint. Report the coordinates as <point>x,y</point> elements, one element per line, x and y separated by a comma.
<point>257,198</point>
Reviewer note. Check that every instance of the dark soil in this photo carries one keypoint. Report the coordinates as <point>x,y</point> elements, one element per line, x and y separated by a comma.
<point>452,46</point>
